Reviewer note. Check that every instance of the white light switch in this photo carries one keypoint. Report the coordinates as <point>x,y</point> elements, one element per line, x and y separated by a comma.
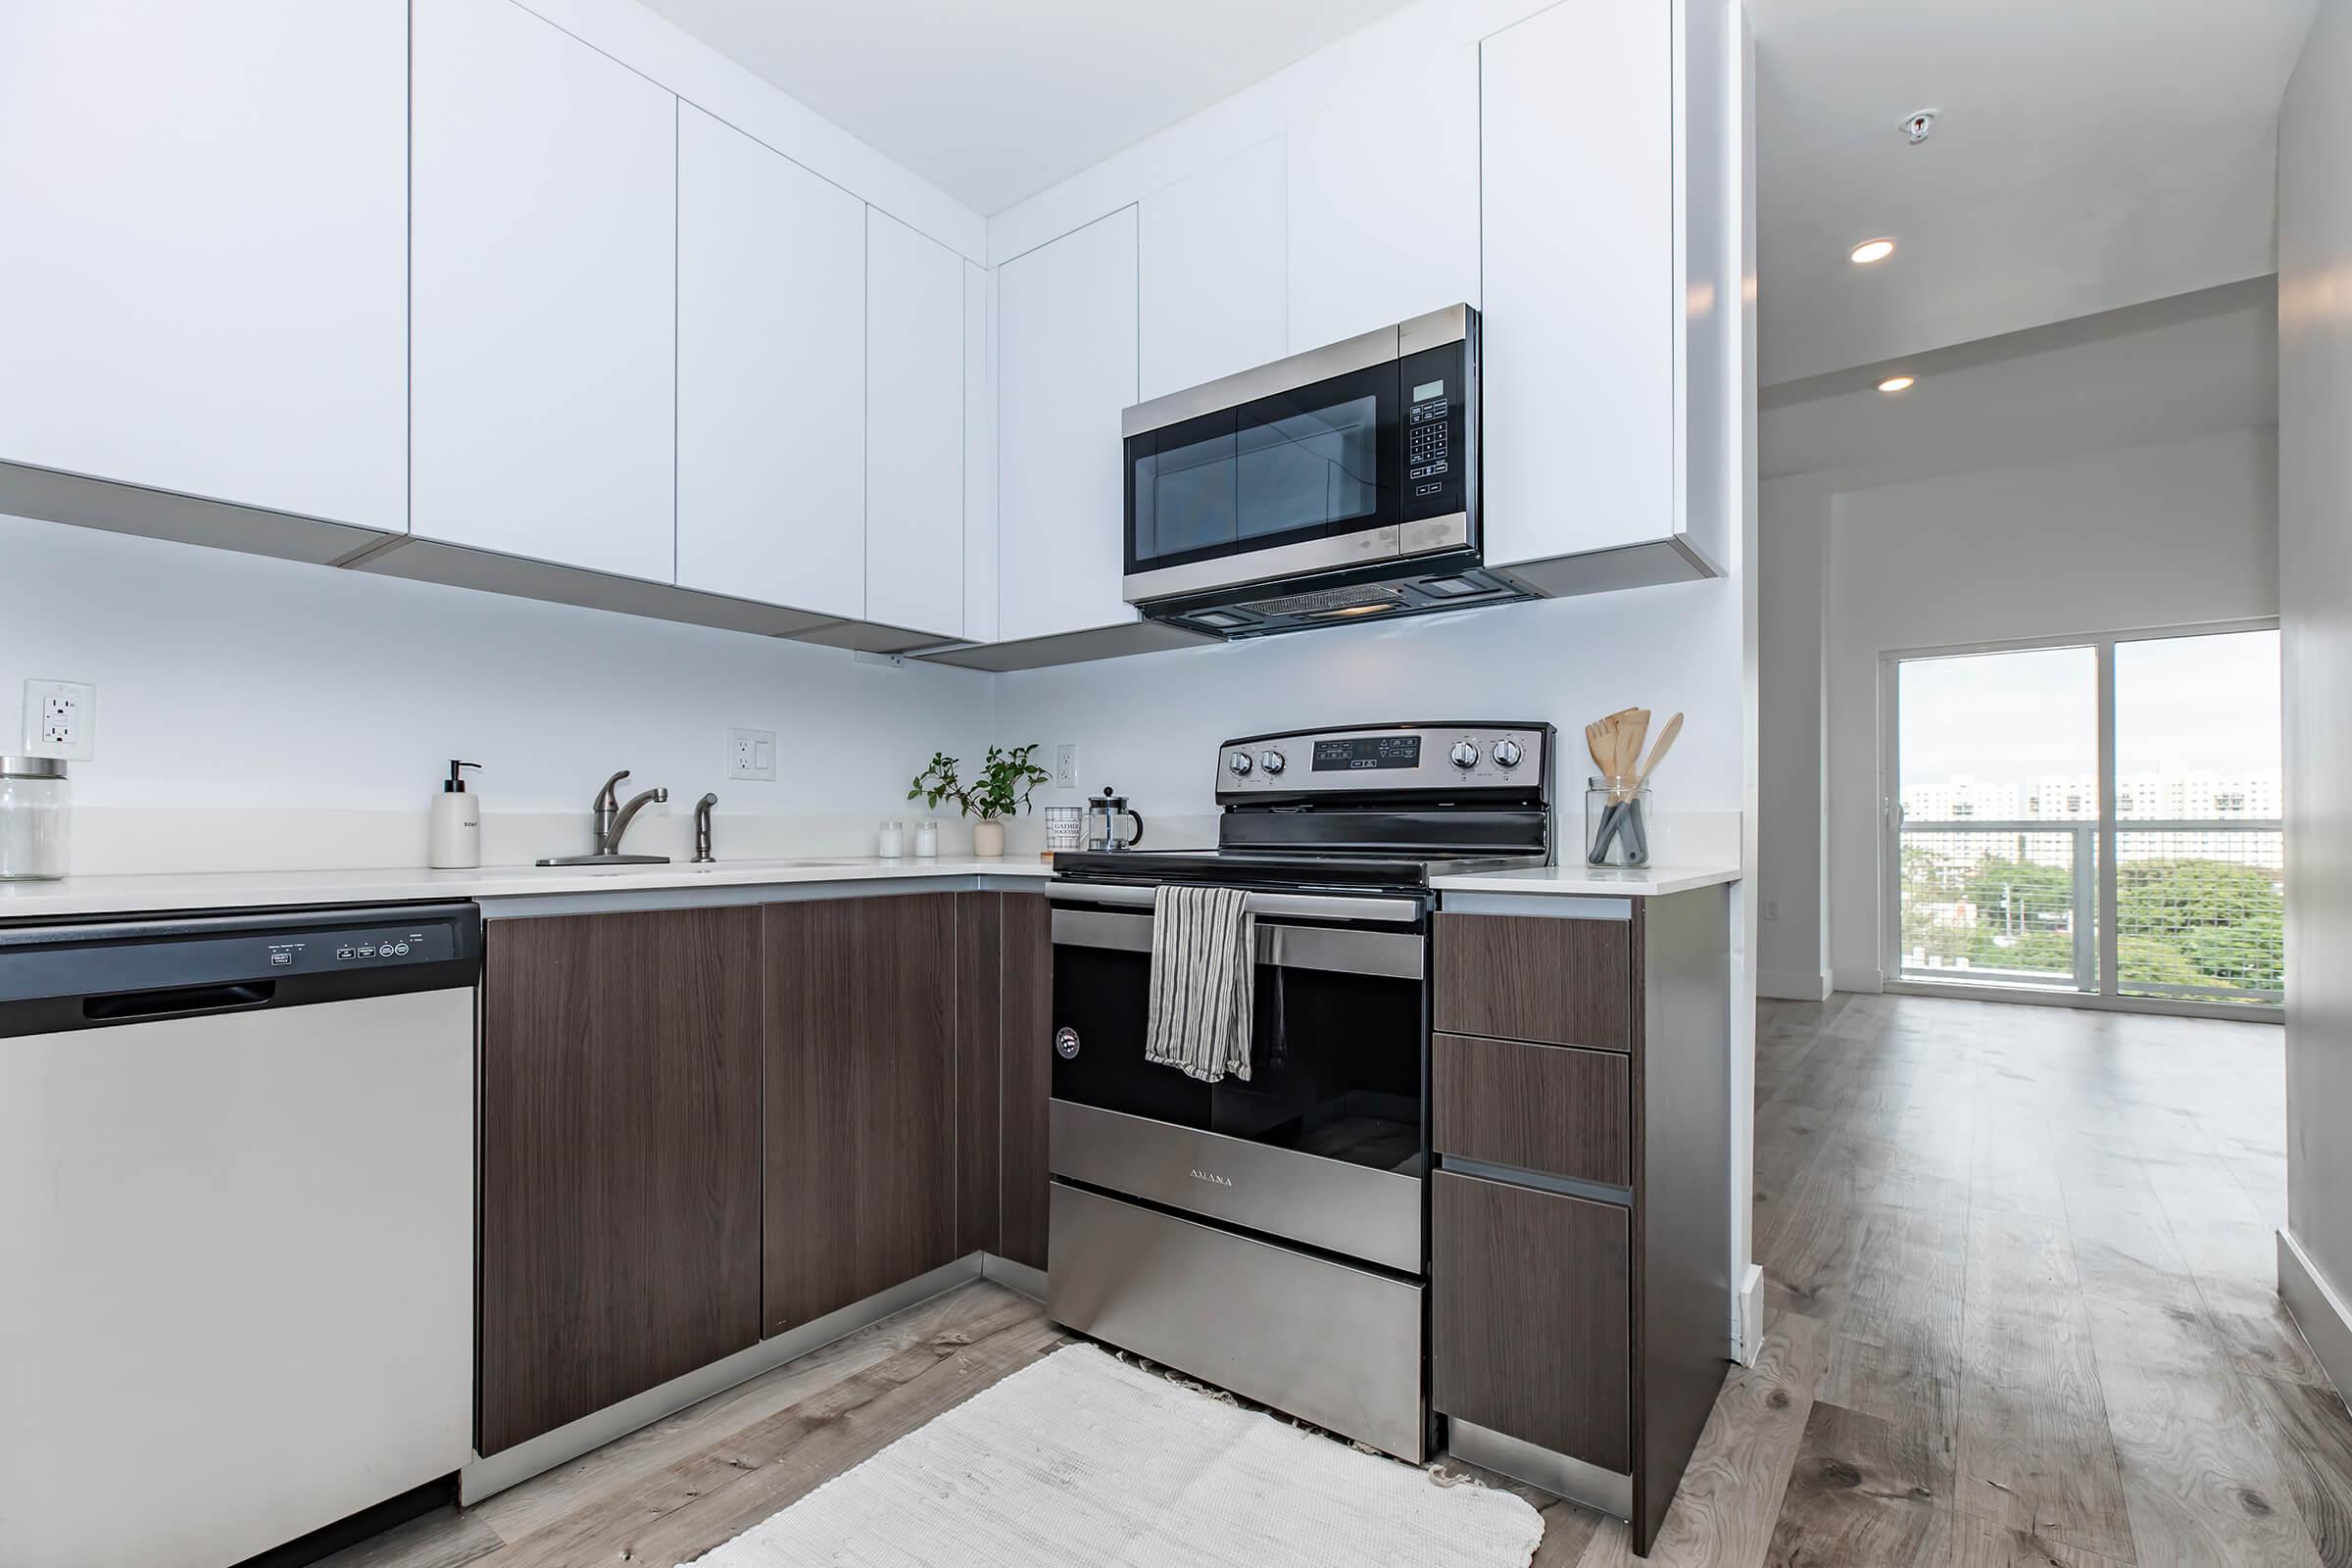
<point>752,753</point>
<point>61,719</point>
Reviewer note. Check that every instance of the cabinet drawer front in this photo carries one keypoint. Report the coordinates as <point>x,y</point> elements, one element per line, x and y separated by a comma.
<point>1521,977</point>
<point>1531,1316</point>
<point>1551,1109</point>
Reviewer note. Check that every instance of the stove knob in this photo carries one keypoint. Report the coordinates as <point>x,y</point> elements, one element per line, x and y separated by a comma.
<point>1239,761</point>
<point>1272,762</point>
<point>1465,755</point>
<point>1506,752</point>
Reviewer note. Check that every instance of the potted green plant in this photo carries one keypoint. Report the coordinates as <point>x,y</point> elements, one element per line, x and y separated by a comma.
<point>1003,787</point>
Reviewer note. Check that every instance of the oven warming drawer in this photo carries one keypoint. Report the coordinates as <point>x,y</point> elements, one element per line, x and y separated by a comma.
<point>1335,1346</point>
<point>1325,1203</point>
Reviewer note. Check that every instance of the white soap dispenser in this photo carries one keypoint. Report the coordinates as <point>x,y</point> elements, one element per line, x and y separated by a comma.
<point>454,842</point>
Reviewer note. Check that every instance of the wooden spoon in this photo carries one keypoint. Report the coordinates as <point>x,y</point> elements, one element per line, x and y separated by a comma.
<point>1657,752</point>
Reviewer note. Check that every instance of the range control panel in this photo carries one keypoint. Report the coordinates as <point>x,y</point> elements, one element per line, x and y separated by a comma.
<point>1385,759</point>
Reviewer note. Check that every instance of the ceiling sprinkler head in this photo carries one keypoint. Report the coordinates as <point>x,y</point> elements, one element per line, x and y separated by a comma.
<point>1917,126</point>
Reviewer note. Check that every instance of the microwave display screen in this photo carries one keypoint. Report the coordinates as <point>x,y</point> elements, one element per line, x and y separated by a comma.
<point>1367,751</point>
<point>1427,390</point>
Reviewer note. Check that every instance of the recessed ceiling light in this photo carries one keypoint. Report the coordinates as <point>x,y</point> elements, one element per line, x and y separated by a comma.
<point>1870,250</point>
<point>1897,383</point>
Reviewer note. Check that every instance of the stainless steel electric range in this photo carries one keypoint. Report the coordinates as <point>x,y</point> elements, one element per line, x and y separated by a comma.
<point>1270,1234</point>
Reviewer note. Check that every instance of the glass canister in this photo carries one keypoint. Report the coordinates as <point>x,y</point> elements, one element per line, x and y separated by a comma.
<point>1616,823</point>
<point>36,819</point>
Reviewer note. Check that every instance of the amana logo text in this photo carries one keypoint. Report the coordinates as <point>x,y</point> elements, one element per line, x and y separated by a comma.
<point>1212,1178</point>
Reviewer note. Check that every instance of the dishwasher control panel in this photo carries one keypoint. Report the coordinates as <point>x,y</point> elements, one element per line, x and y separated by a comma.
<point>113,958</point>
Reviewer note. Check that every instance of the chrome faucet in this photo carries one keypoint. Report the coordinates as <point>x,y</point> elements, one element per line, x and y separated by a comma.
<point>702,830</point>
<point>612,820</point>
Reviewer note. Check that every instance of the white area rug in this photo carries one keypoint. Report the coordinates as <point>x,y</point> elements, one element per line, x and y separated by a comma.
<point>1085,1461</point>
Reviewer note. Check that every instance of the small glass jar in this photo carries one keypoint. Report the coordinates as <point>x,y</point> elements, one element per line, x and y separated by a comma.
<point>926,841</point>
<point>890,841</point>
<point>36,819</point>
<point>1616,826</point>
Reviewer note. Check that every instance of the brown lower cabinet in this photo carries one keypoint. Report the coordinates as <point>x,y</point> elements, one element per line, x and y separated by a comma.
<point>1530,1317</point>
<point>1580,1222</point>
<point>700,1127</point>
<point>861,1100</point>
<point>620,1158</point>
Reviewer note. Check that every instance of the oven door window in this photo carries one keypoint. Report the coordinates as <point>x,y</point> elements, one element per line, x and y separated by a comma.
<point>1311,463</point>
<point>1335,1062</point>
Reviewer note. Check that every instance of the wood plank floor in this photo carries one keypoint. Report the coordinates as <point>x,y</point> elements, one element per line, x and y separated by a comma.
<point>2020,1273</point>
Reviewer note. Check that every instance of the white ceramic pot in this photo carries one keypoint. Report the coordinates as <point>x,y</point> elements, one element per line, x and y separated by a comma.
<point>987,838</point>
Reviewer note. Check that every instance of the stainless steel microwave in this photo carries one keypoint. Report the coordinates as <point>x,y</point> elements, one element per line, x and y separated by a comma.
<point>1334,485</point>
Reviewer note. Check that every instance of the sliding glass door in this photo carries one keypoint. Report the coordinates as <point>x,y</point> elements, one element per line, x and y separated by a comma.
<point>2096,818</point>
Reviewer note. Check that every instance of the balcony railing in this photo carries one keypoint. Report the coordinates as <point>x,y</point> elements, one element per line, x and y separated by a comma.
<point>2198,908</point>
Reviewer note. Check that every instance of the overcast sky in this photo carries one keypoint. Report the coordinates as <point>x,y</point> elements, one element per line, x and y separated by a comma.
<point>2201,704</point>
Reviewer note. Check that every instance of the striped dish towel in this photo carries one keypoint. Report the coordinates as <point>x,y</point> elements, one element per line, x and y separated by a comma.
<point>1203,982</point>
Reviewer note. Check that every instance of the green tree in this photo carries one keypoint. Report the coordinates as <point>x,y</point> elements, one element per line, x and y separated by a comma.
<point>2223,922</point>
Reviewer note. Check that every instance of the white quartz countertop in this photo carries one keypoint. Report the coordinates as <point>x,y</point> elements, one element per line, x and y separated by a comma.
<point>1585,881</point>
<point>81,895</point>
<point>92,896</point>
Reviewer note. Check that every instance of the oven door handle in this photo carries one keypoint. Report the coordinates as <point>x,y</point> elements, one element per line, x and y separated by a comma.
<point>1394,955</point>
<point>1301,906</point>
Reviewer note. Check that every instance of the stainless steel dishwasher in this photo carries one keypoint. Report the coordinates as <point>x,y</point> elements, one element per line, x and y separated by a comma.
<point>236,1224</point>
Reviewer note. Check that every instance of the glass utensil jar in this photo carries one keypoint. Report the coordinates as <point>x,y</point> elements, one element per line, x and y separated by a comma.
<point>35,818</point>
<point>1616,824</point>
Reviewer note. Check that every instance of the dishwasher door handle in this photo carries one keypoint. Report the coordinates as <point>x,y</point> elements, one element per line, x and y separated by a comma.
<point>177,1001</point>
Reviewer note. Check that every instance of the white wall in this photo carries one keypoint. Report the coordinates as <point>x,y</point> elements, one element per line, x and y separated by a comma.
<point>2315,556</point>
<point>1792,574</point>
<point>231,681</point>
<point>1150,724</point>
<point>2145,536</point>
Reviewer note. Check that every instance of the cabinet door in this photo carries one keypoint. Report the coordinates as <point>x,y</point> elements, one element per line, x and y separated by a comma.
<point>1578,218</point>
<point>1531,1316</point>
<point>1027,1045</point>
<point>860,1124</point>
<point>913,430</point>
<point>619,1158</point>
<point>206,262</point>
<point>1066,372</point>
<point>979,458</point>
<point>1383,204</point>
<point>545,296</point>
<point>771,375</point>
<point>1214,294</point>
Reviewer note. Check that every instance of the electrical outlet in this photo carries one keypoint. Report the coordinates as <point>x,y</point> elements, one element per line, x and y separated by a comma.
<point>1065,767</point>
<point>61,719</point>
<point>752,753</point>
<point>1772,909</point>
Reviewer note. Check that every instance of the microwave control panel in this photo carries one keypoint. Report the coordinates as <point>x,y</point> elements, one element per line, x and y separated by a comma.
<point>1438,390</point>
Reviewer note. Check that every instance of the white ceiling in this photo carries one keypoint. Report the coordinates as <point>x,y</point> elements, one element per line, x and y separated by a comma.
<point>2161,371</point>
<point>2090,154</point>
<point>994,100</point>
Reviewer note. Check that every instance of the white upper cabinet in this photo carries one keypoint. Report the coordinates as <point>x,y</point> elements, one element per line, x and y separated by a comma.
<point>771,375</point>
<point>914,344</point>
<point>1066,370</point>
<point>544,294</point>
<point>979,460</point>
<point>203,249</point>
<point>1382,200</point>
<point>1214,294</point>
<point>1582,300</point>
